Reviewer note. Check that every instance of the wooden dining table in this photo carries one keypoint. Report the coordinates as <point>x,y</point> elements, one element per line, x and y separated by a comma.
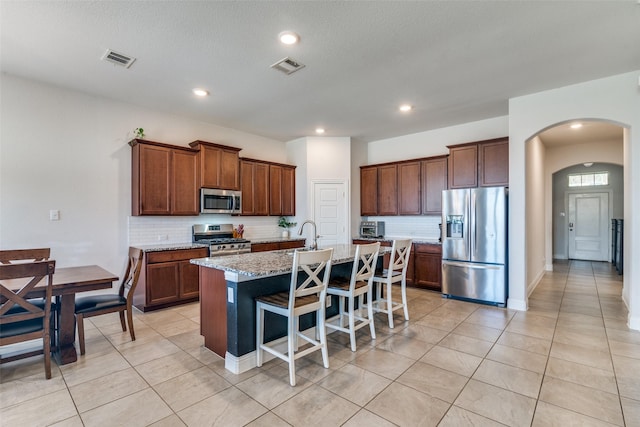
<point>67,282</point>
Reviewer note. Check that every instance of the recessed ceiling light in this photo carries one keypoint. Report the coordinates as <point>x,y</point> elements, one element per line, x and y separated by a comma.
<point>319,130</point>
<point>288,37</point>
<point>405,108</point>
<point>576,126</point>
<point>200,92</point>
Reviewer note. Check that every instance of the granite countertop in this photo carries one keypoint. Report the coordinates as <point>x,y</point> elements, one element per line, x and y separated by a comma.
<point>170,246</point>
<point>419,240</point>
<point>263,264</point>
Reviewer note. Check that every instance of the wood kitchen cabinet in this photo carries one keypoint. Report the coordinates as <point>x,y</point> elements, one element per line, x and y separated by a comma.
<point>168,278</point>
<point>368,190</point>
<point>493,163</point>
<point>164,179</point>
<point>254,183</point>
<point>479,164</point>
<point>219,165</point>
<point>282,190</point>
<point>275,246</point>
<point>409,188</point>
<point>434,179</point>
<point>428,266</point>
<point>388,190</point>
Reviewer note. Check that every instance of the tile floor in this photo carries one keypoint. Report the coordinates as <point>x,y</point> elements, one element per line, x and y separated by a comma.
<point>568,361</point>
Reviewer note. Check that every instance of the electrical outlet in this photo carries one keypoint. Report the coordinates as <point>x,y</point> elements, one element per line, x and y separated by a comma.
<point>328,303</point>
<point>163,237</point>
<point>54,215</point>
<point>230,295</point>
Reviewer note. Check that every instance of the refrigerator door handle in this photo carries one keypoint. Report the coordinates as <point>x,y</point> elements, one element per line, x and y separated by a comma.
<point>472,265</point>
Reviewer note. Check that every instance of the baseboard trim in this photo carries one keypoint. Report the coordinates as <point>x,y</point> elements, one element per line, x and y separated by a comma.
<point>634,322</point>
<point>517,304</point>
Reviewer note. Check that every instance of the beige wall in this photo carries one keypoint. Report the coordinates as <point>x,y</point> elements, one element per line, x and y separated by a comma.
<point>535,224</point>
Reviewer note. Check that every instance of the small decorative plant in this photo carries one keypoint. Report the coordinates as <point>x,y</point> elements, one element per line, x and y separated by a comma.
<point>284,223</point>
<point>138,133</point>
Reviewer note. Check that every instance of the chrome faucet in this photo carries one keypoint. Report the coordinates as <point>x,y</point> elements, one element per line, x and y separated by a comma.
<point>314,244</point>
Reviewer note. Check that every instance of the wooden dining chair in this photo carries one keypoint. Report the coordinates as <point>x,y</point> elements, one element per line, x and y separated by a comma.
<point>395,273</point>
<point>24,255</point>
<point>96,305</point>
<point>20,320</point>
<point>307,297</point>
<point>360,283</point>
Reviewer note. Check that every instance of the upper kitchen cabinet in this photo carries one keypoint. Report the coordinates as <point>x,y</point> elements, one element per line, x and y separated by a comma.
<point>368,190</point>
<point>434,180</point>
<point>164,179</point>
<point>463,166</point>
<point>219,165</point>
<point>388,190</point>
<point>479,164</point>
<point>493,163</point>
<point>409,186</point>
<point>282,190</point>
<point>254,183</point>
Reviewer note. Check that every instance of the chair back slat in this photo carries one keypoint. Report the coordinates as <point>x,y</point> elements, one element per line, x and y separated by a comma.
<point>364,263</point>
<point>317,266</point>
<point>35,272</point>
<point>132,273</point>
<point>38,254</point>
<point>399,256</point>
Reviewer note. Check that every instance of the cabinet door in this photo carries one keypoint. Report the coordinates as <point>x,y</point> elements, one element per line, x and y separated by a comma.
<point>229,170</point>
<point>154,166</point>
<point>463,166</point>
<point>493,163</point>
<point>210,166</point>
<point>369,191</point>
<point>247,186</point>
<point>388,190</point>
<point>162,282</point>
<point>288,191</point>
<point>189,280</point>
<point>255,188</point>
<point>434,180</point>
<point>275,190</point>
<point>184,183</point>
<point>428,266</point>
<point>409,188</point>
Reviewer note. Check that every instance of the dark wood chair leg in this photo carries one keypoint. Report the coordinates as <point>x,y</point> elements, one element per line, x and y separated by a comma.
<point>80,322</point>
<point>47,354</point>
<point>130,318</point>
<point>122,322</point>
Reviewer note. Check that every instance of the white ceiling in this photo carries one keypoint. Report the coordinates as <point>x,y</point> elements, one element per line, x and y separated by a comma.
<point>455,61</point>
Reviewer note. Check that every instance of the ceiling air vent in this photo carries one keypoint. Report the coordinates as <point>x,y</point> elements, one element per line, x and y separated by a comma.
<point>118,58</point>
<point>287,66</point>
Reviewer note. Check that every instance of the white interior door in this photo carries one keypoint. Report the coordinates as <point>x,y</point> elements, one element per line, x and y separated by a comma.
<point>330,212</point>
<point>589,226</point>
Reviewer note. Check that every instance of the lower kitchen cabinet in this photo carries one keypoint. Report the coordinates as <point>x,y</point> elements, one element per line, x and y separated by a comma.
<point>276,246</point>
<point>168,278</point>
<point>428,266</point>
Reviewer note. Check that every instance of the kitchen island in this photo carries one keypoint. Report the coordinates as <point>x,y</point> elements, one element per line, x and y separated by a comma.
<point>228,287</point>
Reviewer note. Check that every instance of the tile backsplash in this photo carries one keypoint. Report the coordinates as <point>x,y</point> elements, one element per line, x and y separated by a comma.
<point>148,230</point>
<point>424,227</point>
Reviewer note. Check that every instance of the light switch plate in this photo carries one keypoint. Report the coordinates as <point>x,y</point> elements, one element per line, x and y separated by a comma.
<point>54,215</point>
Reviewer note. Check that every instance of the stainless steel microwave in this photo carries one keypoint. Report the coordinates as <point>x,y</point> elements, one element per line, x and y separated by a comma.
<point>220,201</point>
<point>372,229</point>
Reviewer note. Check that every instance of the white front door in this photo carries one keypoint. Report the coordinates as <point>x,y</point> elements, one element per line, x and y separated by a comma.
<point>589,226</point>
<point>330,212</point>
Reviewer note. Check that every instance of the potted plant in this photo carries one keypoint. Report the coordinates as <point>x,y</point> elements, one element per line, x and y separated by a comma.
<point>138,133</point>
<point>286,225</point>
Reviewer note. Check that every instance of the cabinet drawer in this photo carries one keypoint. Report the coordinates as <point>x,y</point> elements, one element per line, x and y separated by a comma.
<point>292,244</point>
<point>166,256</point>
<point>427,248</point>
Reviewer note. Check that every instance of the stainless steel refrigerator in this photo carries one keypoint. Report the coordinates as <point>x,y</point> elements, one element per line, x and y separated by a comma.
<point>474,244</point>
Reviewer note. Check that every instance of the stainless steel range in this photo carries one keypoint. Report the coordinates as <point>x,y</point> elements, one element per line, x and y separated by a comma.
<point>220,239</point>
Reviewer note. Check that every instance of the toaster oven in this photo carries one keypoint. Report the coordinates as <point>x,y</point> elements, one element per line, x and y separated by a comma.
<point>372,229</point>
